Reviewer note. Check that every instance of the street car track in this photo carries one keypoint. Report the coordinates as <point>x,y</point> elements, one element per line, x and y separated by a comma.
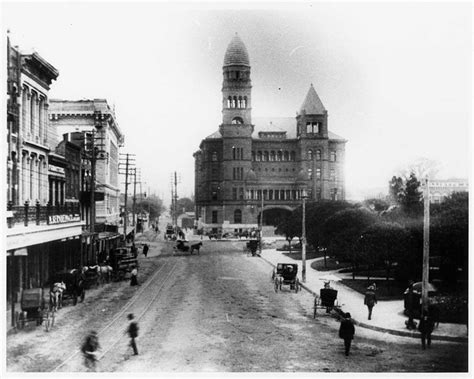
<point>116,324</point>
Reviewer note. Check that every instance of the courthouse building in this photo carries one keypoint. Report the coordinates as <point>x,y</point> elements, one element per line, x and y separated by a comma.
<point>271,161</point>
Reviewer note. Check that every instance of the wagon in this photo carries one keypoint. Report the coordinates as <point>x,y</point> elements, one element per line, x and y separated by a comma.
<point>122,261</point>
<point>286,274</point>
<point>35,308</point>
<point>327,299</point>
<point>75,284</point>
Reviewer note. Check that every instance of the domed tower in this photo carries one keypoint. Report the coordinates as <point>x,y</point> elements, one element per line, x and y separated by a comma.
<point>236,86</point>
<point>236,130</point>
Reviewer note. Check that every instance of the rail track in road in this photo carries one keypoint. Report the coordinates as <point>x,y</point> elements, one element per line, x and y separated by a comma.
<point>116,328</point>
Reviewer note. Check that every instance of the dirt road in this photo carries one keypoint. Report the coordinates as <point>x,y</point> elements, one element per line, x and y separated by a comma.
<point>216,312</point>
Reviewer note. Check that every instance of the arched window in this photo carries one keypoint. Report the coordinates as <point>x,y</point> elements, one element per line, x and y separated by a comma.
<point>234,102</point>
<point>237,120</point>
<point>214,156</point>
<point>286,156</point>
<point>245,102</point>
<point>265,156</point>
<point>229,102</point>
<point>240,103</point>
<point>318,155</point>
<point>332,156</point>
<point>310,155</point>
<point>259,156</point>
<point>292,156</point>
<point>253,155</point>
<point>279,156</point>
<point>272,156</point>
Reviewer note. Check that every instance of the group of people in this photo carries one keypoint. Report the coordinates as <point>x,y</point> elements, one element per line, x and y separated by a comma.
<point>426,325</point>
<point>90,347</point>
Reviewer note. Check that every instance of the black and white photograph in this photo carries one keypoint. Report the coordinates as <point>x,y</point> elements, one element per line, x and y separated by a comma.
<point>218,188</point>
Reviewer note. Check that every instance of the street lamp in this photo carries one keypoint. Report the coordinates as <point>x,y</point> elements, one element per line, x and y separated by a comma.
<point>303,227</point>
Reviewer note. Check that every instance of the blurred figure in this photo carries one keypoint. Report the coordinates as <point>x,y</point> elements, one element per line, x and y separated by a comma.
<point>134,277</point>
<point>133,333</point>
<point>89,350</point>
<point>145,249</point>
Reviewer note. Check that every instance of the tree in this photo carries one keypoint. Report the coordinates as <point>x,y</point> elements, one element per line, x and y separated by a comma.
<point>383,244</point>
<point>421,168</point>
<point>396,189</point>
<point>152,204</point>
<point>316,215</point>
<point>342,231</point>
<point>412,199</point>
<point>449,235</point>
<point>185,204</point>
<point>290,226</point>
<point>377,205</point>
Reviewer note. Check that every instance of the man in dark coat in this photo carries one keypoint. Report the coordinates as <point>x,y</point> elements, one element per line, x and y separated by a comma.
<point>347,331</point>
<point>145,249</point>
<point>370,299</point>
<point>133,333</point>
<point>426,327</point>
<point>89,350</point>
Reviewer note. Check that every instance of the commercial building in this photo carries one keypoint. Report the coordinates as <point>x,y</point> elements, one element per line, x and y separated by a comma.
<point>43,231</point>
<point>270,161</point>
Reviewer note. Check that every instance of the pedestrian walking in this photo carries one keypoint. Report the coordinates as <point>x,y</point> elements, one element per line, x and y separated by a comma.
<point>89,349</point>
<point>370,299</point>
<point>134,277</point>
<point>145,249</point>
<point>410,305</point>
<point>133,333</point>
<point>347,331</point>
<point>425,328</point>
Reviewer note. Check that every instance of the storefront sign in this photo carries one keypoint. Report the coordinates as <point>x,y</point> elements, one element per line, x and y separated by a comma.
<point>60,219</point>
<point>56,169</point>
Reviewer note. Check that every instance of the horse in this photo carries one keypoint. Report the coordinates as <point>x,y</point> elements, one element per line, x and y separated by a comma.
<point>92,274</point>
<point>56,295</point>
<point>105,272</point>
<point>196,247</point>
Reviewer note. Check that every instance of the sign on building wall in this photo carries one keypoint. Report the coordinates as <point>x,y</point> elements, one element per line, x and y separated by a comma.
<point>60,219</point>
<point>56,169</point>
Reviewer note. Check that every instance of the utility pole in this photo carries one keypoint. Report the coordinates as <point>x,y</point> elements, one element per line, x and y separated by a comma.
<point>128,162</point>
<point>426,248</point>
<point>174,199</point>
<point>261,229</point>
<point>303,247</point>
<point>134,196</point>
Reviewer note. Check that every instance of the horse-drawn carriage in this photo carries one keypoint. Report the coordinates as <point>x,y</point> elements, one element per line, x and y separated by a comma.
<point>75,283</point>
<point>183,246</point>
<point>35,306</point>
<point>327,299</point>
<point>252,247</point>
<point>286,274</point>
<point>122,261</point>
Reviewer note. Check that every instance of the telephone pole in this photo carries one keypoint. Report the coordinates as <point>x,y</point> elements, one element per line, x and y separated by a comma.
<point>127,160</point>
<point>426,248</point>
<point>174,199</point>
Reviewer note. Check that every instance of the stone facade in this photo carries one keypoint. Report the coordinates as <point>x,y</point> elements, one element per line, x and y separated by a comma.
<point>69,116</point>
<point>269,161</point>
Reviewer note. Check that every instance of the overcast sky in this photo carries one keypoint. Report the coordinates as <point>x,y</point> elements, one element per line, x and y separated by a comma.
<point>395,78</point>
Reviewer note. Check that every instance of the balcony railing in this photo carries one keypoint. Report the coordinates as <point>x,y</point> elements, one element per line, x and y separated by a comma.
<point>42,215</point>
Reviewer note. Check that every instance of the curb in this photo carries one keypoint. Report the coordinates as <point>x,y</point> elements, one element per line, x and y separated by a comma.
<point>401,333</point>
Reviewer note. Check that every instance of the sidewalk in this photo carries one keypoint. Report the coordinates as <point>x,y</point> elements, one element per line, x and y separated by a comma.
<point>387,316</point>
